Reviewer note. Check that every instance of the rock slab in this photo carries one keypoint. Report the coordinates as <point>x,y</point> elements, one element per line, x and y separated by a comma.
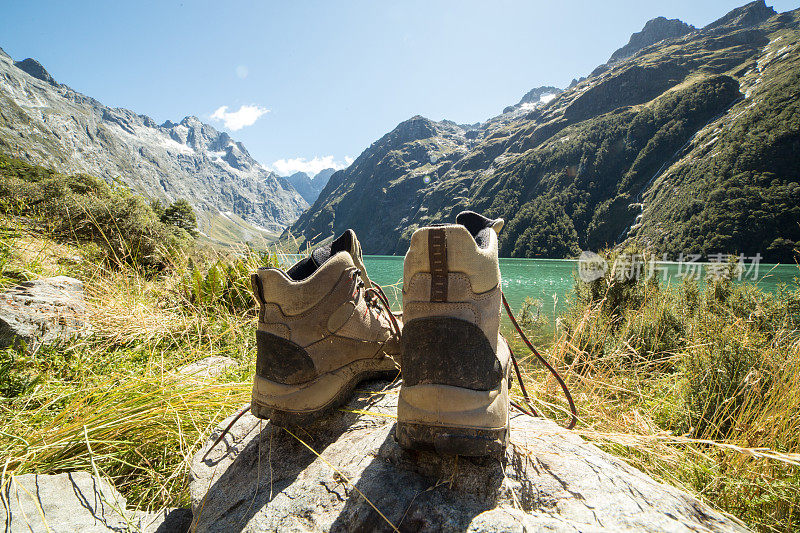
<point>78,501</point>
<point>42,311</point>
<point>264,478</point>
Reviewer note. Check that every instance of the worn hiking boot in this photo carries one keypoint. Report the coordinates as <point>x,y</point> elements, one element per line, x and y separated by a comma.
<point>454,396</point>
<point>323,326</point>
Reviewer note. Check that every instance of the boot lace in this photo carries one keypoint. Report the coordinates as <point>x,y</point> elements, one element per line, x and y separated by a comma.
<point>377,299</point>
<point>531,411</point>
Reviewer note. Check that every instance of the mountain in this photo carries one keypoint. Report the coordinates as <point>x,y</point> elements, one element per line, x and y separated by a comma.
<point>748,15</point>
<point>321,178</point>
<point>655,30</point>
<point>35,69</point>
<point>309,188</point>
<point>690,145</point>
<point>47,123</point>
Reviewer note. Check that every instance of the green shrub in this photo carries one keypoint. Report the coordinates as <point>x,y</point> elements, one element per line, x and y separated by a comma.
<point>225,282</point>
<point>83,208</point>
<point>719,377</point>
<point>181,215</point>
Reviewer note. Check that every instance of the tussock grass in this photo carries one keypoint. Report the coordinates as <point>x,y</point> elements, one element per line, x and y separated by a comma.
<point>698,385</point>
<point>139,430</point>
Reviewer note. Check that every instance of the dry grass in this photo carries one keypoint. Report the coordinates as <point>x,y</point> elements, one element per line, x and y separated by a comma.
<point>113,400</point>
<point>710,404</point>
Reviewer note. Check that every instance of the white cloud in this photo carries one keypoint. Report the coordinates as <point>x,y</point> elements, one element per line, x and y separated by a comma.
<point>285,167</point>
<point>242,71</point>
<point>236,120</point>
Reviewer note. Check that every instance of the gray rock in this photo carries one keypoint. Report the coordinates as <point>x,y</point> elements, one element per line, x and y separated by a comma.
<point>35,69</point>
<point>75,501</point>
<point>42,311</point>
<point>655,30</point>
<point>262,478</point>
<point>208,367</point>
<point>79,501</point>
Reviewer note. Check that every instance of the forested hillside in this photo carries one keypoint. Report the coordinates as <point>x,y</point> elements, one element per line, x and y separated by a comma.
<point>686,145</point>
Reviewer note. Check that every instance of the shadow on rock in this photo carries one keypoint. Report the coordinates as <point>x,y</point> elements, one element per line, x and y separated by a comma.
<point>267,480</point>
<point>419,491</point>
<point>259,473</point>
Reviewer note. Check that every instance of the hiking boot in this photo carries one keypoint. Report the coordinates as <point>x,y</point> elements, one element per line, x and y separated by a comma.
<point>323,327</point>
<point>454,396</point>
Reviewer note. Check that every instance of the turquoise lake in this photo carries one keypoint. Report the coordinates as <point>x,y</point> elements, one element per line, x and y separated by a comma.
<point>550,281</point>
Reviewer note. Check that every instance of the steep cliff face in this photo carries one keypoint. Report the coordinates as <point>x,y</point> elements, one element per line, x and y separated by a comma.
<point>735,185</point>
<point>48,123</point>
<point>569,174</point>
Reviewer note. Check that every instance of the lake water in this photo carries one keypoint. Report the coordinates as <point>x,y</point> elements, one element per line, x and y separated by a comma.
<point>550,281</point>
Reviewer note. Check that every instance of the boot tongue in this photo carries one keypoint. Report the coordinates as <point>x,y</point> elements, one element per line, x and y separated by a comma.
<point>479,225</point>
<point>348,242</point>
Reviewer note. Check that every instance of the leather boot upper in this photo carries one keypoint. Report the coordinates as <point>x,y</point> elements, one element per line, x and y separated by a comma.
<point>319,305</point>
<point>453,271</point>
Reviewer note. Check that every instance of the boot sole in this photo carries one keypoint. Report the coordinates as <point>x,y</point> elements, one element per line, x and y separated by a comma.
<point>302,404</point>
<point>428,421</point>
<point>455,420</point>
<point>469,442</point>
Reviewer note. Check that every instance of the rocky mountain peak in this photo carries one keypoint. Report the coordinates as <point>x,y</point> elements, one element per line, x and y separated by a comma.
<point>323,176</point>
<point>191,122</point>
<point>4,54</point>
<point>535,97</point>
<point>310,187</point>
<point>415,128</point>
<point>743,17</point>
<point>654,30</point>
<point>35,69</point>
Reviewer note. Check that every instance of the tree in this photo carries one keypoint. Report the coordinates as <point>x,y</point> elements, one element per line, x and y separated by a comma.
<point>181,214</point>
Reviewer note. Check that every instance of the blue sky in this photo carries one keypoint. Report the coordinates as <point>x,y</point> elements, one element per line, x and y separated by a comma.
<point>320,81</point>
